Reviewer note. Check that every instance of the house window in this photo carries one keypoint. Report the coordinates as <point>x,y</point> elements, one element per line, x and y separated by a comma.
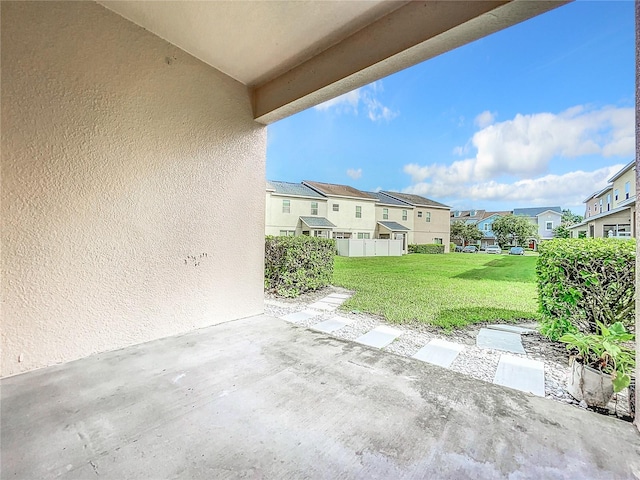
<point>340,235</point>
<point>319,233</point>
<point>286,206</point>
<point>385,214</point>
<point>314,208</point>
<point>549,225</point>
<point>472,213</point>
<point>336,207</point>
<point>456,213</point>
<point>600,205</point>
<point>419,214</point>
<point>627,190</point>
<point>358,211</point>
<point>363,236</point>
<point>608,202</point>
<point>404,214</point>
<point>287,233</point>
<point>427,217</point>
<point>486,227</point>
<point>438,241</point>
<point>615,194</point>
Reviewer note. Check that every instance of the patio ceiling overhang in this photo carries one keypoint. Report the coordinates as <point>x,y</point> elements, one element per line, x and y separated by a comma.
<point>294,55</point>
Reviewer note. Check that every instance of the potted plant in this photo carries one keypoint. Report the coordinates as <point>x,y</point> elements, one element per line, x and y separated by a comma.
<point>602,365</point>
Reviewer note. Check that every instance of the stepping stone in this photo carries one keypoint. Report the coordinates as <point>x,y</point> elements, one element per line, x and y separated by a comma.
<point>343,296</point>
<point>297,317</point>
<point>439,352</point>
<point>521,374</point>
<point>379,337</point>
<point>329,326</point>
<point>498,340</point>
<point>320,305</point>
<point>333,300</point>
<point>511,329</point>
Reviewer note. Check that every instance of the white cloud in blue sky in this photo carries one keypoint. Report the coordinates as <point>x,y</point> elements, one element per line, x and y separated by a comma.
<point>354,173</point>
<point>362,99</point>
<point>485,119</point>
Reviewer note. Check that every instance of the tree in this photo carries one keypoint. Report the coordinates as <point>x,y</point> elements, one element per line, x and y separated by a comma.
<point>569,218</point>
<point>562,231</point>
<point>514,228</point>
<point>465,233</point>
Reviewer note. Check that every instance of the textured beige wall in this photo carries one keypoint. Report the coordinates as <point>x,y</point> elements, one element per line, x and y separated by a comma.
<point>132,187</point>
<point>619,183</point>
<point>299,207</point>
<point>438,227</point>
<point>345,218</point>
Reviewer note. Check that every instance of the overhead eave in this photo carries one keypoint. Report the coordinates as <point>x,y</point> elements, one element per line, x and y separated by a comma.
<point>404,37</point>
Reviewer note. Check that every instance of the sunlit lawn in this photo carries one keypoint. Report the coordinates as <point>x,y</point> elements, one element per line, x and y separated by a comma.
<point>450,290</point>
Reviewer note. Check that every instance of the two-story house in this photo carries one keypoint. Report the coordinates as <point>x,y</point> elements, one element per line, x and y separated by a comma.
<point>351,211</point>
<point>485,225</point>
<point>544,218</point>
<point>430,218</point>
<point>611,212</point>
<point>394,219</point>
<point>295,209</point>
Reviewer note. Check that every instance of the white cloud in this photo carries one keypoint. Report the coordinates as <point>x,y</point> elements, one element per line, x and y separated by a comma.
<point>365,99</point>
<point>567,189</point>
<point>355,174</point>
<point>485,119</point>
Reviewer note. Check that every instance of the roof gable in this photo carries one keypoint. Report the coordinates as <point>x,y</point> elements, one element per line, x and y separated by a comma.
<point>535,211</point>
<point>415,200</point>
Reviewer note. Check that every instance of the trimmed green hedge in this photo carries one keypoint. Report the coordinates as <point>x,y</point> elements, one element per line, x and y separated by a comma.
<point>294,265</point>
<point>426,248</point>
<point>582,281</point>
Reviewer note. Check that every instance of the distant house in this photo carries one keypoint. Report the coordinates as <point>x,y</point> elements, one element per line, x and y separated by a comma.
<point>544,218</point>
<point>485,225</point>
<point>611,212</point>
<point>394,219</point>
<point>295,209</point>
<point>430,218</point>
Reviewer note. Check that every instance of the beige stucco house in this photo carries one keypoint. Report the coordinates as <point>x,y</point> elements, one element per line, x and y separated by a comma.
<point>394,219</point>
<point>430,219</point>
<point>133,151</point>
<point>611,212</point>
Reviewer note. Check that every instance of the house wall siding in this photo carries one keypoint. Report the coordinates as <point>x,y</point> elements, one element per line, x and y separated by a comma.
<point>619,184</point>
<point>125,165</point>
<point>345,219</point>
<point>395,215</point>
<point>276,220</point>
<point>439,227</point>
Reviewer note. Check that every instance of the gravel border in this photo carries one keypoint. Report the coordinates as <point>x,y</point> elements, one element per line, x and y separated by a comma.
<point>473,361</point>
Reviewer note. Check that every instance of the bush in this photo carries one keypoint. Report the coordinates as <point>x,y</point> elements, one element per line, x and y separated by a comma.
<point>427,248</point>
<point>294,265</point>
<point>585,281</point>
<point>452,247</point>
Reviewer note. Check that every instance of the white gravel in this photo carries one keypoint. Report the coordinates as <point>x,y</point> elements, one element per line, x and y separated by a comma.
<point>473,361</point>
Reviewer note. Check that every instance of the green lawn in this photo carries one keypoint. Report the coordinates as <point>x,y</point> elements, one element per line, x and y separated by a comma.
<point>450,290</point>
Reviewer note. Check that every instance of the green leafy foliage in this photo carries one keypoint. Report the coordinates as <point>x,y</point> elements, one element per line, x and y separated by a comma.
<point>607,352</point>
<point>585,281</point>
<point>465,233</point>
<point>294,265</point>
<point>514,229</point>
<point>426,248</point>
<point>562,231</point>
<point>570,218</point>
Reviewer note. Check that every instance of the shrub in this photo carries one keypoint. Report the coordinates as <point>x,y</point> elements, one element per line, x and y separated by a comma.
<point>426,248</point>
<point>452,247</point>
<point>294,265</point>
<point>585,281</point>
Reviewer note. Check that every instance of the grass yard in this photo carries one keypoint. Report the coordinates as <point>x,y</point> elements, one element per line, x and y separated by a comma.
<point>450,290</point>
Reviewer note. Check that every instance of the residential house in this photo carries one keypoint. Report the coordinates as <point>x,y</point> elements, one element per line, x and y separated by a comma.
<point>351,211</point>
<point>394,219</point>
<point>544,218</point>
<point>485,225</point>
<point>430,218</point>
<point>132,132</point>
<point>611,212</point>
<point>295,209</point>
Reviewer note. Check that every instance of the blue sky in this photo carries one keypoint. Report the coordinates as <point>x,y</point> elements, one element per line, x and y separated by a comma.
<point>538,114</point>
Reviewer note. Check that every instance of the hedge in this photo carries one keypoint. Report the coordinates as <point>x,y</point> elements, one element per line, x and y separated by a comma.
<point>426,248</point>
<point>582,281</point>
<point>294,265</point>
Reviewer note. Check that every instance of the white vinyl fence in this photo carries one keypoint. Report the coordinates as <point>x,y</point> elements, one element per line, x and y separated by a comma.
<point>349,247</point>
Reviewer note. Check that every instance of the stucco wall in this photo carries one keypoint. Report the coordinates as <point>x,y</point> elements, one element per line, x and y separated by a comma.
<point>132,187</point>
<point>345,219</point>
<point>619,184</point>
<point>438,227</point>
<point>276,220</point>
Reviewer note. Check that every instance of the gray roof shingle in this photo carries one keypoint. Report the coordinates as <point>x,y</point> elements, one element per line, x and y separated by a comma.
<point>416,200</point>
<point>294,189</point>
<point>394,226</point>
<point>334,189</point>
<point>387,200</point>
<point>533,211</point>
<point>317,222</point>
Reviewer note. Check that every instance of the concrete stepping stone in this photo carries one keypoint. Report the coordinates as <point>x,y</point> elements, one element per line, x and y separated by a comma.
<point>498,340</point>
<point>320,305</point>
<point>379,337</point>
<point>521,374</point>
<point>333,300</point>
<point>511,329</point>
<point>343,296</point>
<point>301,316</point>
<point>329,326</point>
<point>439,352</point>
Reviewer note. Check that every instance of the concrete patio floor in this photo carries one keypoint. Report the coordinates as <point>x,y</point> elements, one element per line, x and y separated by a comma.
<point>261,398</point>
